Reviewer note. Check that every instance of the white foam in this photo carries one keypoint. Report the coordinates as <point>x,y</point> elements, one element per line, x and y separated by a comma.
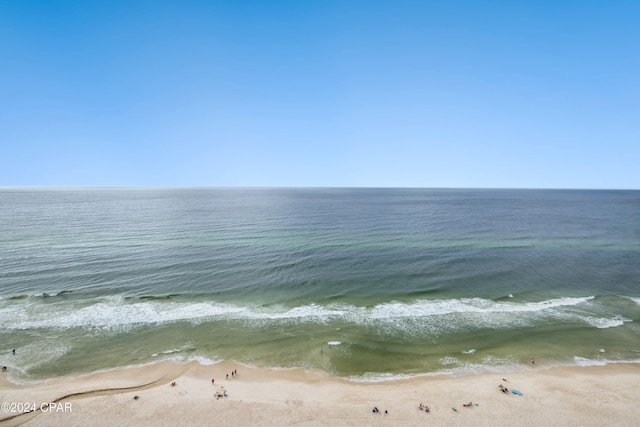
<point>202,360</point>
<point>603,322</point>
<point>449,360</point>
<point>310,311</point>
<point>583,361</point>
<point>187,346</point>
<point>334,343</point>
<point>468,305</point>
<point>184,358</point>
<point>455,366</point>
<point>471,351</point>
<point>376,377</point>
<point>417,317</point>
<point>636,300</point>
<point>113,314</point>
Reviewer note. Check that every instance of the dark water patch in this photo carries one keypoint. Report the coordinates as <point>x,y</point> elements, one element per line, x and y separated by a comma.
<point>159,297</point>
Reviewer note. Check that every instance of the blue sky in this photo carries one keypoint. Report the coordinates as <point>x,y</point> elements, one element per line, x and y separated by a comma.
<point>542,94</point>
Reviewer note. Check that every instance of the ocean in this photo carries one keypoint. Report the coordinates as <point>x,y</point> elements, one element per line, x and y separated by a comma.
<point>365,284</point>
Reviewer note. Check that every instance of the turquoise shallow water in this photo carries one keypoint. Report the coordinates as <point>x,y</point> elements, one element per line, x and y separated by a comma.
<point>400,281</point>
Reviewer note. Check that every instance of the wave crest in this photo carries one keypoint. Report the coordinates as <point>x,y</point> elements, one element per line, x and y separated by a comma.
<point>433,316</point>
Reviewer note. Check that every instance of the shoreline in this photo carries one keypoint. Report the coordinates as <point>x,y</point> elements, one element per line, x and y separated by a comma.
<point>568,395</point>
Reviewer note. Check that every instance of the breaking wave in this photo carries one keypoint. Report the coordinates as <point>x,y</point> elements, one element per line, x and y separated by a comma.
<point>435,315</point>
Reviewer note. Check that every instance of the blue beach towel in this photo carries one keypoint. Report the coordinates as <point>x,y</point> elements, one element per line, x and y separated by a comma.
<point>516,392</point>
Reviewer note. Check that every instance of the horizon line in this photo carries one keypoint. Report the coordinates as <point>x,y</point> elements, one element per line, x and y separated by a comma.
<point>104,187</point>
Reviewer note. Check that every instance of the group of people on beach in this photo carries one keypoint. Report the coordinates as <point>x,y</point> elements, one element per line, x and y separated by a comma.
<point>505,390</point>
<point>234,373</point>
<point>220,393</point>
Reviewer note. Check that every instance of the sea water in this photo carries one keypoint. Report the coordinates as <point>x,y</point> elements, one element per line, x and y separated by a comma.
<point>362,283</point>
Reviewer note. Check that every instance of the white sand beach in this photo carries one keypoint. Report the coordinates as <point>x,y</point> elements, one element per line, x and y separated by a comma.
<point>574,396</point>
